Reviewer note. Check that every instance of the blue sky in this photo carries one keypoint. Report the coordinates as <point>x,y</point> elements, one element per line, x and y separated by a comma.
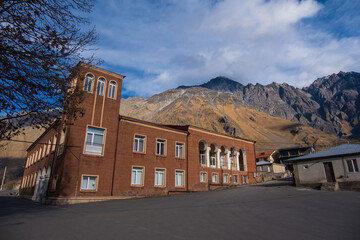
<point>161,44</point>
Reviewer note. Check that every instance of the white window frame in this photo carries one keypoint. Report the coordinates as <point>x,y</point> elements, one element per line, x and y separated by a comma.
<point>137,140</point>
<point>202,159</point>
<point>212,161</point>
<point>160,147</point>
<point>101,86</point>
<point>236,178</point>
<point>137,176</point>
<point>352,165</point>
<point>222,160</point>
<point>179,178</point>
<point>89,79</point>
<point>179,150</point>
<point>88,187</point>
<point>160,176</point>
<point>203,176</point>
<point>112,90</point>
<point>226,178</point>
<point>89,145</point>
<point>215,178</point>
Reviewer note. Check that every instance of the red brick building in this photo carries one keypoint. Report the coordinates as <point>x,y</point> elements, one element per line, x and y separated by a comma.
<point>105,155</point>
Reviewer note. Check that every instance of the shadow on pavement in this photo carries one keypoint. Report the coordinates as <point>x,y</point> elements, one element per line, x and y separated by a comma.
<point>10,205</point>
<point>277,183</point>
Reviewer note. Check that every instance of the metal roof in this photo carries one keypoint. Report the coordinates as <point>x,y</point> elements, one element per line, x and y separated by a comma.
<point>344,149</point>
<point>263,163</point>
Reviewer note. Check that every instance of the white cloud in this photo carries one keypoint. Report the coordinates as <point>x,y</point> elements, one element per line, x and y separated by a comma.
<point>172,43</point>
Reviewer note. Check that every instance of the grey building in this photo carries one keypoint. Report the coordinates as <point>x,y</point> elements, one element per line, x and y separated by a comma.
<point>338,165</point>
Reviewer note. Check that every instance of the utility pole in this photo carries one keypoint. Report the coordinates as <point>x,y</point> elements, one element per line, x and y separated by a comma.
<point>3,179</point>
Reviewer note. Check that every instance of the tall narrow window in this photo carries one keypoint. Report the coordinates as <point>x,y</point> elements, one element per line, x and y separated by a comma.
<point>112,89</point>
<point>222,159</point>
<point>137,176</point>
<point>160,147</point>
<point>179,150</point>
<point>352,165</point>
<point>215,178</point>
<point>101,86</point>
<point>88,183</point>
<point>159,177</point>
<point>179,178</point>
<point>44,150</point>
<point>88,82</point>
<point>48,147</point>
<point>202,158</point>
<point>226,178</point>
<point>94,140</point>
<point>53,144</point>
<point>202,176</point>
<point>139,144</point>
<point>212,161</point>
<point>236,180</point>
<point>40,153</point>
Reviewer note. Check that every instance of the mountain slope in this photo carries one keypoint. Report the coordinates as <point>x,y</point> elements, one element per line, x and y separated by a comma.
<point>223,112</point>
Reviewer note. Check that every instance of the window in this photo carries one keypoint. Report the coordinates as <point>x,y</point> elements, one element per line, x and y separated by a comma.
<point>179,178</point>
<point>160,177</point>
<point>112,89</point>
<point>139,144</point>
<point>88,82</point>
<point>88,183</point>
<point>215,178</point>
<point>222,160</point>
<point>226,178</point>
<point>179,150</point>
<point>202,158</point>
<point>53,144</point>
<point>94,140</point>
<point>236,178</point>
<point>48,147</point>
<point>101,86</point>
<point>160,147</point>
<point>352,165</point>
<point>40,153</point>
<point>232,162</point>
<point>203,177</point>
<point>212,161</point>
<point>137,176</point>
<point>44,151</point>
<point>244,178</point>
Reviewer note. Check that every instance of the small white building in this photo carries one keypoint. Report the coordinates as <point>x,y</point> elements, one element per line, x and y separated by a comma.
<point>338,164</point>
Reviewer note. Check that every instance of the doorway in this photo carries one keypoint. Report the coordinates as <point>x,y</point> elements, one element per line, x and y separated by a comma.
<point>329,172</point>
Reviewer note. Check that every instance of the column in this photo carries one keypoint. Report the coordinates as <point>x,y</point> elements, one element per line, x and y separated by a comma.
<point>237,161</point>
<point>245,161</point>
<point>207,154</point>
<point>228,159</point>
<point>218,158</point>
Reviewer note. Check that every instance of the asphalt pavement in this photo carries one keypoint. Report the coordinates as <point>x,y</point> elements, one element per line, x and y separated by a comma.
<point>269,211</point>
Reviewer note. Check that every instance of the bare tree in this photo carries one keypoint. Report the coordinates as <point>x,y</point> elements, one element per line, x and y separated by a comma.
<point>41,42</point>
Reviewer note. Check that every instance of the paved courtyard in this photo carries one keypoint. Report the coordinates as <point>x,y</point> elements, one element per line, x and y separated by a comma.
<point>271,211</point>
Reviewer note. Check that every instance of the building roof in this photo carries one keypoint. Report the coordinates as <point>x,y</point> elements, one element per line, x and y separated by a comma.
<point>293,148</point>
<point>264,154</point>
<point>344,149</point>
<point>53,125</point>
<point>263,163</point>
<point>181,128</point>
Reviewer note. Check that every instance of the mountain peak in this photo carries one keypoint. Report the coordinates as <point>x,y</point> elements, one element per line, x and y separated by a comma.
<point>220,83</point>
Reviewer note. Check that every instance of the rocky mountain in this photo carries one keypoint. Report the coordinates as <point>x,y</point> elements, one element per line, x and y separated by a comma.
<point>224,112</point>
<point>331,103</point>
